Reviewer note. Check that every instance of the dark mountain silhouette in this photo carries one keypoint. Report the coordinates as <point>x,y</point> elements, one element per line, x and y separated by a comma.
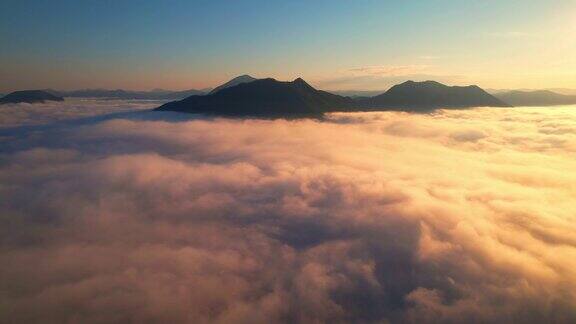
<point>536,98</point>
<point>263,97</point>
<point>357,93</point>
<point>156,94</point>
<point>560,91</point>
<point>269,97</point>
<point>234,82</point>
<point>429,95</point>
<point>29,96</point>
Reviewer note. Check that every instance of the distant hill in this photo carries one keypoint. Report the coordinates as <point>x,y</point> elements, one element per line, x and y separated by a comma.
<point>29,96</point>
<point>428,95</point>
<point>536,98</point>
<point>263,97</point>
<point>357,93</point>
<point>156,94</point>
<point>234,82</point>
<point>564,91</point>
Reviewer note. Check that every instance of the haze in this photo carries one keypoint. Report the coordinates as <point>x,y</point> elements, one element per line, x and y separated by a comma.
<point>163,217</point>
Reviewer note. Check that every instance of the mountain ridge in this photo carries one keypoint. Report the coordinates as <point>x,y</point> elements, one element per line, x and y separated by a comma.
<point>156,94</point>
<point>262,97</point>
<point>245,78</point>
<point>429,95</point>
<point>536,98</point>
<point>29,96</point>
<point>297,97</point>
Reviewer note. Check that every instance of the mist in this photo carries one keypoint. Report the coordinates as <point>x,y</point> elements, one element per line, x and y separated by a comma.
<point>449,217</point>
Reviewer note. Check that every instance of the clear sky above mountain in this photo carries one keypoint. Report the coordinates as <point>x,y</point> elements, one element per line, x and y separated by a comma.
<point>333,44</point>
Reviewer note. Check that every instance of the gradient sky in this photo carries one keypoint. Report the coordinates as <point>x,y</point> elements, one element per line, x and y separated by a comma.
<point>365,44</point>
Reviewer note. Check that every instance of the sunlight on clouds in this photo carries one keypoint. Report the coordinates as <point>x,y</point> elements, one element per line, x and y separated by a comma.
<point>13,115</point>
<point>455,216</point>
<point>401,70</point>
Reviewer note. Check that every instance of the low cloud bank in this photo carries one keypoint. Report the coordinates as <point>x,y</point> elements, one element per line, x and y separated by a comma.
<point>457,216</point>
<point>23,114</point>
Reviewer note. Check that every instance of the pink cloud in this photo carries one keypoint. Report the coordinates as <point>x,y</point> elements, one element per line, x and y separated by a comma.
<point>360,217</point>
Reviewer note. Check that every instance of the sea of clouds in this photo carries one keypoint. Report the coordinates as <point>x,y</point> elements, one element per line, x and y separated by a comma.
<point>452,217</point>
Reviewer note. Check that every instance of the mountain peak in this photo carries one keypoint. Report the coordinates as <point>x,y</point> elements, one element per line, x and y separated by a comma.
<point>427,95</point>
<point>421,83</point>
<point>245,78</point>
<point>264,97</point>
<point>301,83</point>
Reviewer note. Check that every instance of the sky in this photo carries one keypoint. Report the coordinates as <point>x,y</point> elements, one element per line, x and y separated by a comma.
<point>335,45</point>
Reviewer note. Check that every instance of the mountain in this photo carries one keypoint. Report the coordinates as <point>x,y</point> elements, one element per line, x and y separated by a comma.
<point>564,91</point>
<point>29,96</point>
<point>156,94</point>
<point>429,95</point>
<point>269,97</point>
<point>561,91</point>
<point>357,93</point>
<point>234,82</point>
<point>263,97</point>
<point>536,98</point>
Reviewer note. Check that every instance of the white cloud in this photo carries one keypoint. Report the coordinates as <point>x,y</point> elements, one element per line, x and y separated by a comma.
<point>368,217</point>
<point>13,115</point>
<point>386,70</point>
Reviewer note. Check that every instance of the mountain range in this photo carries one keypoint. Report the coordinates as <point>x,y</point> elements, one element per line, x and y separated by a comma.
<point>29,96</point>
<point>536,98</point>
<point>246,95</point>
<point>156,94</point>
<point>269,97</point>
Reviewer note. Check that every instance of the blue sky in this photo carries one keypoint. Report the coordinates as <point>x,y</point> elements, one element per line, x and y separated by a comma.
<point>335,44</point>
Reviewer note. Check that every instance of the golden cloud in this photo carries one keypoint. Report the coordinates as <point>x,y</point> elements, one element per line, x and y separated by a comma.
<point>456,216</point>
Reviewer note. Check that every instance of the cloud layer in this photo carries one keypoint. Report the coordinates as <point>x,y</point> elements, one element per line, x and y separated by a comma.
<point>14,115</point>
<point>457,216</point>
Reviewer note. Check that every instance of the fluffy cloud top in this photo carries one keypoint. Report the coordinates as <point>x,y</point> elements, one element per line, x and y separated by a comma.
<point>457,216</point>
<point>14,115</point>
